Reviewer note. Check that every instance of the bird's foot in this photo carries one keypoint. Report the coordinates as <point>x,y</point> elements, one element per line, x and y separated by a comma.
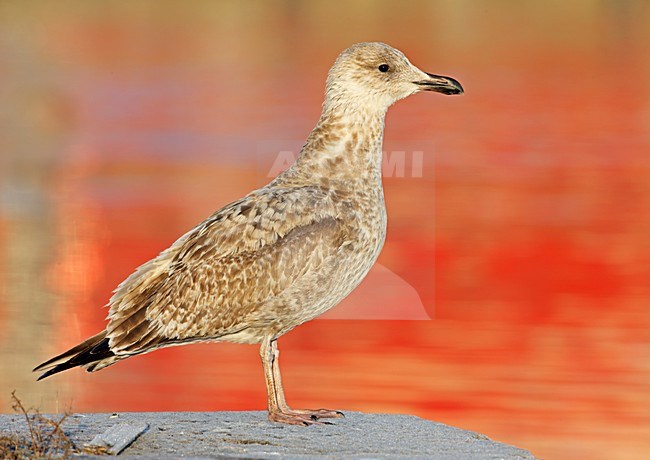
<point>319,413</point>
<point>304,417</point>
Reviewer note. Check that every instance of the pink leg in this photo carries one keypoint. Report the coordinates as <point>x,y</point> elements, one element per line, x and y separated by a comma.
<point>279,411</point>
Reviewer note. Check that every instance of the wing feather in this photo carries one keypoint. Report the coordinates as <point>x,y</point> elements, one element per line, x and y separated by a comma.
<point>220,276</point>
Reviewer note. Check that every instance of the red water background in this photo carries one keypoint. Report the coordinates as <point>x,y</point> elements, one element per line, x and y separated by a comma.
<point>524,235</point>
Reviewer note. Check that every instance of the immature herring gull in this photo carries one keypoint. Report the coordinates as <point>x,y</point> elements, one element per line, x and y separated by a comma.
<point>284,253</point>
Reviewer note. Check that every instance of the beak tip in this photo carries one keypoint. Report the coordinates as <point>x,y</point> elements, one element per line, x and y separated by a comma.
<point>444,85</point>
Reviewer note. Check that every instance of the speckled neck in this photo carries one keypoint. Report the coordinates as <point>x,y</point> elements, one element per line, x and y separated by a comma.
<point>345,147</point>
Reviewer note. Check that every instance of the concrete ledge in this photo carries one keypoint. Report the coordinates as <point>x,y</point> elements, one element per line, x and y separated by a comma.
<point>202,435</point>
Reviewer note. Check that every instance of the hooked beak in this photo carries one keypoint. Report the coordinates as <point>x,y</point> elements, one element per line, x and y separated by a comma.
<point>444,85</point>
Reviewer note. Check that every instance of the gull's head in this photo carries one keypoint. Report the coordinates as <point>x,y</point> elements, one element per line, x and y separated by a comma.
<point>377,75</point>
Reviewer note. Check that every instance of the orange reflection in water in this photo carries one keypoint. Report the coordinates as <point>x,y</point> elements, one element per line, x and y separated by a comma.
<point>523,235</point>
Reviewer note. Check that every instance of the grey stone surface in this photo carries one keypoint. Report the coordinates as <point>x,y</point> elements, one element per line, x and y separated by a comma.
<point>203,435</point>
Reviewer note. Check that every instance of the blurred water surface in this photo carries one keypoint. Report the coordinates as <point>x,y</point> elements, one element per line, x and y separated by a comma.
<point>518,213</point>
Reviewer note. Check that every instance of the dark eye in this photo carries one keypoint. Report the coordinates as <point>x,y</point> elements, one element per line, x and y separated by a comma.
<point>384,68</point>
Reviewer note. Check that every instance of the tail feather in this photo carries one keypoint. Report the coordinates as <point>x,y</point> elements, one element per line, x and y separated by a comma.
<point>88,353</point>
